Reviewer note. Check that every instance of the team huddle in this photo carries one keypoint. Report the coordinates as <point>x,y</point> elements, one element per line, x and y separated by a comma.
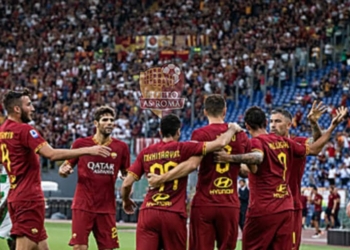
<point>274,160</point>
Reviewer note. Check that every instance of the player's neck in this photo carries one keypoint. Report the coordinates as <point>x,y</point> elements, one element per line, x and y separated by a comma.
<point>14,118</point>
<point>101,139</point>
<point>168,139</point>
<point>214,120</point>
<point>260,131</point>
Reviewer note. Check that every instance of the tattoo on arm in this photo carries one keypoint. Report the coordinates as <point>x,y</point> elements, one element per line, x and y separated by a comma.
<point>249,158</point>
<point>316,131</point>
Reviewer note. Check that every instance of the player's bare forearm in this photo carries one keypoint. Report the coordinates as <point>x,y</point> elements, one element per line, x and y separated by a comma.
<point>183,169</point>
<point>316,131</point>
<point>249,158</point>
<point>127,187</point>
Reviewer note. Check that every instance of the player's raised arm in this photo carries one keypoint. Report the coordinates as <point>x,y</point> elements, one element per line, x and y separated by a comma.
<point>314,115</point>
<point>316,147</point>
<point>63,154</point>
<point>183,169</point>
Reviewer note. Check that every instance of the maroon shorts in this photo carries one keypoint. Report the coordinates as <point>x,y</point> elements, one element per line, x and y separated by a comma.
<point>210,224</point>
<point>273,232</point>
<point>297,228</point>
<point>103,227</point>
<point>160,229</point>
<point>28,219</point>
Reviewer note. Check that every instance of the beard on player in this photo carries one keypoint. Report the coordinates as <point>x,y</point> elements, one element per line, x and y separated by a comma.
<point>25,116</point>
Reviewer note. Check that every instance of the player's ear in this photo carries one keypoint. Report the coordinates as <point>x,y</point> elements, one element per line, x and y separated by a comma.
<point>247,126</point>
<point>17,109</point>
<point>205,112</point>
<point>95,123</point>
<point>224,112</point>
<point>178,132</point>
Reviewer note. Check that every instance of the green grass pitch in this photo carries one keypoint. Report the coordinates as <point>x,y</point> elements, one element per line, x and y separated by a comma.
<point>60,233</point>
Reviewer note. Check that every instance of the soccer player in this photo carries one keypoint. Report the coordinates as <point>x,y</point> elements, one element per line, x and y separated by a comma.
<point>270,218</point>
<point>332,208</point>
<point>94,203</point>
<point>162,219</point>
<point>280,123</point>
<point>19,144</point>
<point>316,199</point>
<point>215,206</point>
<point>5,221</point>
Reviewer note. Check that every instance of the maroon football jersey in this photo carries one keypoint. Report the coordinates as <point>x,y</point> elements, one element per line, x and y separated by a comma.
<point>269,190</point>
<point>95,191</point>
<point>331,199</point>
<point>217,183</point>
<point>296,176</point>
<point>160,158</point>
<point>19,143</point>
<point>317,198</point>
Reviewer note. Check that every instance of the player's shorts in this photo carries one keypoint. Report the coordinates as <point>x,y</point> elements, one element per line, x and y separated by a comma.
<point>28,219</point>
<point>160,229</point>
<point>273,231</point>
<point>210,224</point>
<point>297,228</point>
<point>5,226</point>
<point>329,213</point>
<point>103,226</point>
<point>316,216</point>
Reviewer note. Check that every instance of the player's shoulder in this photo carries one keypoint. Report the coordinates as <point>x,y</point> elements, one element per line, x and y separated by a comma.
<point>118,143</point>
<point>83,141</point>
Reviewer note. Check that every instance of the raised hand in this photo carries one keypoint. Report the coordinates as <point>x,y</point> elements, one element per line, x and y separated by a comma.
<point>340,115</point>
<point>316,111</point>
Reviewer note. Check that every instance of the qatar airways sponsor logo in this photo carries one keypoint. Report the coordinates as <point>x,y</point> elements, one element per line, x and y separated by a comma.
<point>101,167</point>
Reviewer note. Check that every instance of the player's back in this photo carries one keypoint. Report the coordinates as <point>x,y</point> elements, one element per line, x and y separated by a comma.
<point>297,171</point>
<point>217,183</point>
<point>19,143</point>
<point>161,158</point>
<point>269,190</point>
<point>95,190</point>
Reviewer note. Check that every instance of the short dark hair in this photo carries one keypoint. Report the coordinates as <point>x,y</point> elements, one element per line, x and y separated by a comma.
<point>283,112</point>
<point>13,98</point>
<point>103,110</point>
<point>255,117</point>
<point>214,105</point>
<point>242,180</point>
<point>169,125</point>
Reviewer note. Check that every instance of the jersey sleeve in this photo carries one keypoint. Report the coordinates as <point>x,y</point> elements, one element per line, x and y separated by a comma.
<point>136,169</point>
<point>299,150</point>
<point>126,158</point>
<point>31,138</point>
<point>74,161</point>
<point>256,145</point>
<point>192,148</point>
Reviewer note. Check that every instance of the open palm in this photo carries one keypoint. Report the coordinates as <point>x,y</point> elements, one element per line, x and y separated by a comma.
<point>316,111</point>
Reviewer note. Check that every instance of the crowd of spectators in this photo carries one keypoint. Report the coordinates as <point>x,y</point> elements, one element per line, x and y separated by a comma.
<point>65,52</point>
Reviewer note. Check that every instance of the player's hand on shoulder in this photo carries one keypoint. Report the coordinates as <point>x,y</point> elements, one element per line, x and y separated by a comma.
<point>100,150</point>
<point>221,156</point>
<point>235,127</point>
<point>129,206</point>
<point>65,170</point>
<point>154,180</point>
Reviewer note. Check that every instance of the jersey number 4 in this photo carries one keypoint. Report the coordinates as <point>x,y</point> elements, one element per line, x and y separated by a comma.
<point>164,169</point>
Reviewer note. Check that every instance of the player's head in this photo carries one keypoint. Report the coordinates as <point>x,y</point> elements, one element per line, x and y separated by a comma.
<point>18,103</point>
<point>104,120</point>
<point>255,118</point>
<point>170,126</point>
<point>280,121</point>
<point>314,190</point>
<point>215,106</point>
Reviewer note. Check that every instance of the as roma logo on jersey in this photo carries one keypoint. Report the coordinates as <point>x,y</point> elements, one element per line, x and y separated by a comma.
<point>114,155</point>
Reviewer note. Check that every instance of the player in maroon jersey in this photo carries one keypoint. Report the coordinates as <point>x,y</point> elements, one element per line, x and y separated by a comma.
<point>270,218</point>
<point>162,219</point>
<point>316,199</point>
<point>94,204</point>
<point>19,144</point>
<point>215,206</point>
<point>332,208</point>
